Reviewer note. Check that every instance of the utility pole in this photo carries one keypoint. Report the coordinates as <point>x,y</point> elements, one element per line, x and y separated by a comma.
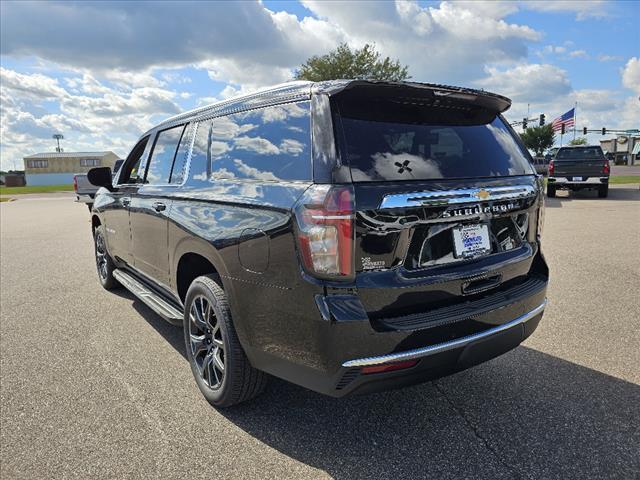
<point>58,137</point>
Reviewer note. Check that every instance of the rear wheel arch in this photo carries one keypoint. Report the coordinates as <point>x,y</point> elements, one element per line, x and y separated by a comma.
<point>192,248</point>
<point>95,222</point>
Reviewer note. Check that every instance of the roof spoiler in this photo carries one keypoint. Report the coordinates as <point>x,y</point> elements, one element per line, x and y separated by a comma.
<point>490,101</point>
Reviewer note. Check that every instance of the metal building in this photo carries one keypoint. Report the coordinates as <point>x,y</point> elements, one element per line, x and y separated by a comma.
<point>58,168</point>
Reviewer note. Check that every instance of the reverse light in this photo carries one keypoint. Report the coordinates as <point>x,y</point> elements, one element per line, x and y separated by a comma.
<point>605,168</point>
<point>551,168</point>
<point>325,230</point>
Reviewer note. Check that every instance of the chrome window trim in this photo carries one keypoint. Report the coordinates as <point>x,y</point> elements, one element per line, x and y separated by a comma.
<point>443,347</point>
<point>454,197</point>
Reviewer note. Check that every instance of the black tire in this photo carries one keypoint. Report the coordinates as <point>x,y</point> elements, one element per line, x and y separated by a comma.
<point>211,340</point>
<point>104,263</point>
<point>551,191</point>
<point>603,191</point>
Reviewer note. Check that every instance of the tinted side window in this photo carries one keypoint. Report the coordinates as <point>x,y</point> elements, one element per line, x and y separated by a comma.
<point>131,171</point>
<point>162,155</point>
<point>269,144</point>
<point>200,167</point>
<point>180,163</point>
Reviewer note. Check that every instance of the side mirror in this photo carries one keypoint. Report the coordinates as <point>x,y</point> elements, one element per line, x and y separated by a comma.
<point>100,177</point>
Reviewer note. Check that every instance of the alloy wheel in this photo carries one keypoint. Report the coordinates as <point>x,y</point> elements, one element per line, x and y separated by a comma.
<point>101,256</point>
<point>206,343</point>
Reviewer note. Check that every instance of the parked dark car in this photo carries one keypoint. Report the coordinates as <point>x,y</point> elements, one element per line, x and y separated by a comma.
<point>347,236</point>
<point>579,168</point>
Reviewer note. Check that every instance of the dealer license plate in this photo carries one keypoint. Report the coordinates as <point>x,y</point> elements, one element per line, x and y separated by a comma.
<point>576,179</point>
<point>471,241</point>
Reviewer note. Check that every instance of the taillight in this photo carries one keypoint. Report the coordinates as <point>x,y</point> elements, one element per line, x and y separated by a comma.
<point>551,167</point>
<point>75,184</point>
<point>325,230</point>
<point>605,168</point>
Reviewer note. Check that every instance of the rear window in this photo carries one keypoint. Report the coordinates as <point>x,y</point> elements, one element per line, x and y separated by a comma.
<point>585,153</point>
<point>395,141</point>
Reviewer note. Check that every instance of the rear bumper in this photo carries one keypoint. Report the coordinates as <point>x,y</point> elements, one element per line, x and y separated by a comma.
<point>587,183</point>
<point>343,341</point>
<point>420,353</point>
<point>84,198</point>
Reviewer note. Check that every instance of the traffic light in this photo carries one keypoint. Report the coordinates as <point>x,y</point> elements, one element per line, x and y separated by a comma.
<point>604,131</point>
<point>541,119</point>
<point>584,130</point>
<point>524,123</point>
<point>562,129</point>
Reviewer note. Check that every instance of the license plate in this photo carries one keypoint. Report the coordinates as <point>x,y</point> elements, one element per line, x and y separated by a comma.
<point>471,241</point>
<point>576,179</point>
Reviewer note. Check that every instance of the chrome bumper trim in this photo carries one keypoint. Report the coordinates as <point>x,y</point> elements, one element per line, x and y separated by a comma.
<point>451,197</point>
<point>588,181</point>
<point>443,347</point>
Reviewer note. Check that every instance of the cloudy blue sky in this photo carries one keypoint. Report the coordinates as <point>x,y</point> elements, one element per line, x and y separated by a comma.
<point>103,72</point>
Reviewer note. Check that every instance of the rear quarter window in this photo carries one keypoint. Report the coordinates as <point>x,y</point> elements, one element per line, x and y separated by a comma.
<point>265,144</point>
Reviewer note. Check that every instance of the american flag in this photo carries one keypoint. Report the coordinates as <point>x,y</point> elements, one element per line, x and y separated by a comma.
<point>565,119</point>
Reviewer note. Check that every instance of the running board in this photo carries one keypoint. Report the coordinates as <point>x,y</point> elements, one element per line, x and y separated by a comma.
<point>151,299</point>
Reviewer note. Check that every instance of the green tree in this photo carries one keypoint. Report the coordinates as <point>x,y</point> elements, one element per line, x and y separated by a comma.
<point>365,63</point>
<point>538,139</point>
<point>578,141</point>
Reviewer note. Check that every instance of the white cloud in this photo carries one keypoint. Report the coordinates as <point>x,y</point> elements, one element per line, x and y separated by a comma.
<point>252,172</point>
<point>527,82</point>
<point>582,9</point>
<point>259,145</point>
<point>291,146</point>
<point>34,87</point>
<point>439,44</point>
<point>92,116</point>
<point>578,54</point>
<point>631,74</point>
<point>609,58</point>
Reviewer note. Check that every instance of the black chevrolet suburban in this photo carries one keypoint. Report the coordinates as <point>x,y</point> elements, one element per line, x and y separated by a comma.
<point>347,236</point>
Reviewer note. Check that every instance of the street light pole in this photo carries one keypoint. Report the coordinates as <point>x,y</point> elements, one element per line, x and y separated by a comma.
<point>58,137</point>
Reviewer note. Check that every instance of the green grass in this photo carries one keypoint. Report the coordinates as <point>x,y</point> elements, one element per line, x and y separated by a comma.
<point>620,179</point>
<point>35,189</point>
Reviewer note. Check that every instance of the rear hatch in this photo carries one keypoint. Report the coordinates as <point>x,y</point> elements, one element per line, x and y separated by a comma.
<point>583,162</point>
<point>446,208</point>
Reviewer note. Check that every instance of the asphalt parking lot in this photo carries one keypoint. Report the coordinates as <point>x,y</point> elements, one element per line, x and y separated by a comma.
<point>93,384</point>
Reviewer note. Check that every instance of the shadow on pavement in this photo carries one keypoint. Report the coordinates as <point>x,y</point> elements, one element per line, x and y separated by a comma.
<point>631,192</point>
<point>523,415</point>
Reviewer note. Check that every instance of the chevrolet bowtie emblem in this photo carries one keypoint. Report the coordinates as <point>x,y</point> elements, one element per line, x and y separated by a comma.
<point>483,194</point>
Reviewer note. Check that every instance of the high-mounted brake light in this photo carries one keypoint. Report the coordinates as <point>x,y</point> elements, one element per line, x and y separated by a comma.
<point>605,168</point>
<point>325,230</point>
<point>551,167</point>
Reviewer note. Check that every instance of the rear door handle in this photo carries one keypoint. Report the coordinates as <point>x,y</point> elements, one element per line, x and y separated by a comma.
<point>159,206</point>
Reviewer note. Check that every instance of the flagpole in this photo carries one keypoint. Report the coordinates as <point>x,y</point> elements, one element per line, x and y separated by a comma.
<point>575,115</point>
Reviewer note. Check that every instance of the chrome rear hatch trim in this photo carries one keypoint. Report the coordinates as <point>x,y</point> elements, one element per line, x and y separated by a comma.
<point>452,197</point>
